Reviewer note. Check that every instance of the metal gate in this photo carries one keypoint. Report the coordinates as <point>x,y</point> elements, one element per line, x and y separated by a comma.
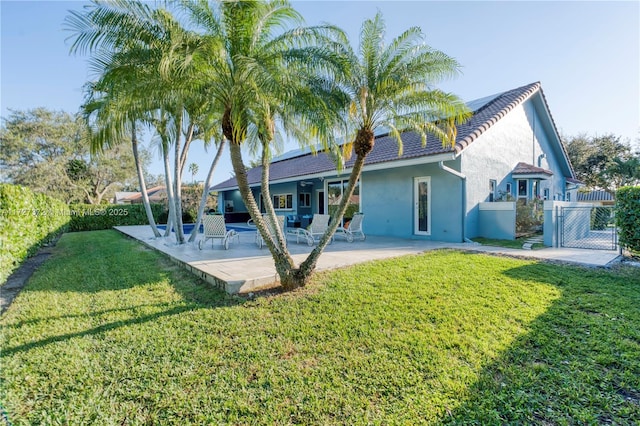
<point>588,227</point>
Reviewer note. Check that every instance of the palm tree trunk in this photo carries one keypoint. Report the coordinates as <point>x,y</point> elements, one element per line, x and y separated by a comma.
<point>283,262</point>
<point>171,219</point>
<point>302,275</point>
<point>205,190</point>
<point>143,187</point>
<point>268,202</point>
<point>177,186</point>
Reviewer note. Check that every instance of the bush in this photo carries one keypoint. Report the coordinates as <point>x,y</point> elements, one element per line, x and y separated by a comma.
<point>27,221</point>
<point>628,217</point>
<point>89,217</point>
<point>529,216</point>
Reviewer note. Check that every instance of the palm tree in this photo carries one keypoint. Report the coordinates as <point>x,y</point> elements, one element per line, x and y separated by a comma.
<point>391,86</point>
<point>193,169</point>
<point>143,57</point>
<point>260,75</point>
<point>258,68</point>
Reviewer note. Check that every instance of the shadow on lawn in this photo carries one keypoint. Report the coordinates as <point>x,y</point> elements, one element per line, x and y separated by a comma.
<point>579,362</point>
<point>103,268</point>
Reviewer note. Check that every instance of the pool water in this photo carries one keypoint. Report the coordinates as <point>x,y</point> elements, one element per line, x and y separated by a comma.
<point>188,227</point>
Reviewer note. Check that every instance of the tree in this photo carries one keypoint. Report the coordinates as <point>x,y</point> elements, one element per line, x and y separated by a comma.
<point>47,151</point>
<point>602,162</point>
<point>193,169</point>
<point>143,57</point>
<point>302,74</point>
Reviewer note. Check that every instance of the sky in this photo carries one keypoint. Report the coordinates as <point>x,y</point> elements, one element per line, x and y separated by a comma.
<point>585,54</point>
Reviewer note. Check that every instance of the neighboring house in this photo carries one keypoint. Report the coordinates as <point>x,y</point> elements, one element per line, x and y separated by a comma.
<point>509,146</point>
<point>121,197</point>
<point>600,198</point>
<point>157,194</point>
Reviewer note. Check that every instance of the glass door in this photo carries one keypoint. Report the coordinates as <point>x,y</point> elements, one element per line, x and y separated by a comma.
<point>422,205</point>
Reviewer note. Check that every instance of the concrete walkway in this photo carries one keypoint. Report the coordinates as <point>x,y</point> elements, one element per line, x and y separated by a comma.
<point>245,268</point>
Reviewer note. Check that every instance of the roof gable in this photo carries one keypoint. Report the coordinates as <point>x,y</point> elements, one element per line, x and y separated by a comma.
<point>487,111</point>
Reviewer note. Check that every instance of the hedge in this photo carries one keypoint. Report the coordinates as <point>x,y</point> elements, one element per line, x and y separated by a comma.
<point>628,217</point>
<point>27,221</point>
<point>89,217</point>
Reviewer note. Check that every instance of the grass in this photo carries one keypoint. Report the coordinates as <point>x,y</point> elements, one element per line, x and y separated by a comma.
<point>107,332</point>
<point>516,244</point>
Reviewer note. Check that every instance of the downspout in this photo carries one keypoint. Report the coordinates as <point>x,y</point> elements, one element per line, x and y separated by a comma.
<point>463,177</point>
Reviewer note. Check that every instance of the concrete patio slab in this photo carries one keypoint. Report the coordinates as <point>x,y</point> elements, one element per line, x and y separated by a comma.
<point>246,268</point>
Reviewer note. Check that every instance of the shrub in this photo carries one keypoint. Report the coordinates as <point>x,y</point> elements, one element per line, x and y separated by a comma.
<point>88,217</point>
<point>529,216</point>
<point>27,221</point>
<point>628,217</point>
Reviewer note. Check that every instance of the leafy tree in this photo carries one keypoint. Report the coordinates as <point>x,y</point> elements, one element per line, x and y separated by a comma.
<point>602,162</point>
<point>47,151</point>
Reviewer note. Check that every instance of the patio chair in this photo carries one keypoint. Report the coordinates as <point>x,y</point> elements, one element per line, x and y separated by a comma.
<point>272,233</point>
<point>353,228</point>
<point>318,227</point>
<point>293,221</point>
<point>215,229</point>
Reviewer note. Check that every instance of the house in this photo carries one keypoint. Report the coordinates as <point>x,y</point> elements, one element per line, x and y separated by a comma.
<point>157,194</point>
<point>509,148</point>
<point>121,197</point>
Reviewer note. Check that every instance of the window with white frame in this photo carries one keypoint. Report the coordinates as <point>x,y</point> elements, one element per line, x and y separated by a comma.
<point>546,193</point>
<point>304,199</point>
<point>508,189</point>
<point>283,201</point>
<point>493,185</point>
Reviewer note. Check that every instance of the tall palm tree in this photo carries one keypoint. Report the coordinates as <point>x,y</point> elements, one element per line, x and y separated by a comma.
<point>391,86</point>
<point>143,57</point>
<point>263,72</point>
<point>193,169</point>
<point>258,57</point>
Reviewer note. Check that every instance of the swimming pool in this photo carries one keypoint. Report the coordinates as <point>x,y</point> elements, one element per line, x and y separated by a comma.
<point>188,227</point>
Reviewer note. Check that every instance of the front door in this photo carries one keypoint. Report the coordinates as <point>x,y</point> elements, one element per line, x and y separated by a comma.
<point>321,202</point>
<point>422,205</point>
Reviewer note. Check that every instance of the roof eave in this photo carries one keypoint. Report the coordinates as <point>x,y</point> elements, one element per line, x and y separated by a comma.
<point>366,168</point>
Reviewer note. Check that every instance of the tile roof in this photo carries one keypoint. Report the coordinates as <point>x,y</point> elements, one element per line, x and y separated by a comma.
<point>595,196</point>
<point>489,112</point>
<point>529,169</point>
<point>138,195</point>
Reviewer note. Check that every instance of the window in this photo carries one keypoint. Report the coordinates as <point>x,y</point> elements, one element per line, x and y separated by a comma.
<point>546,193</point>
<point>493,184</point>
<point>422,203</point>
<point>304,199</point>
<point>535,189</point>
<point>568,196</point>
<point>335,189</point>
<point>283,201</point>
<point>508,191</point>
<point>522,188</point>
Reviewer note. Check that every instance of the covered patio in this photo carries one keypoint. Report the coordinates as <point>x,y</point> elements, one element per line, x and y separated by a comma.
<point>245,268</point>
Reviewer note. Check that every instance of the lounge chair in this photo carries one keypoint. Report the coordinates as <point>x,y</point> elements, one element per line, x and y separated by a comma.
<point>353,228</point>
<point>281,221</point>
<point>293,221</point>
<point>318,227</point>
<point>215,229</point>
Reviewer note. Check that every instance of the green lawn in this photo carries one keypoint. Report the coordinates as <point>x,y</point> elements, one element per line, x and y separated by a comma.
<point>110,333</point>
<point>517,243</point>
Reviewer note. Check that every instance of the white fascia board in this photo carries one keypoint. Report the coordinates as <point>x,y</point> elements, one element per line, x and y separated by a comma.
<point>542,176</point>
